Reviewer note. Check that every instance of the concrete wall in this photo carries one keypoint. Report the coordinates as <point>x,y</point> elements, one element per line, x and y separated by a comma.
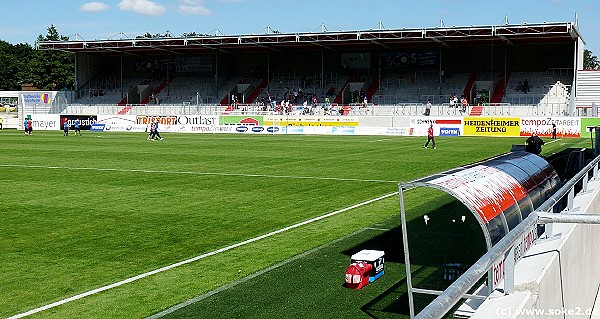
<point>557,278</point>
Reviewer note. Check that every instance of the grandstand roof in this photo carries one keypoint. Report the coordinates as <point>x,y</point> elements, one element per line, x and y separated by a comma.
<point>342,41</point>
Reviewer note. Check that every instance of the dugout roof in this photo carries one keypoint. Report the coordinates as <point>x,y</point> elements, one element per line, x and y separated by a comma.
<point>339,41</point>
<point>500,192</point>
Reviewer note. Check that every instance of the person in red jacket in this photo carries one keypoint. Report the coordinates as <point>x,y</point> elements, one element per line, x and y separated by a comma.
<point>430,137</point>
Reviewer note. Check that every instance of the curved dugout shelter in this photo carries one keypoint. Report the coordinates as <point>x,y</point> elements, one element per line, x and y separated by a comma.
<point>499,192</point>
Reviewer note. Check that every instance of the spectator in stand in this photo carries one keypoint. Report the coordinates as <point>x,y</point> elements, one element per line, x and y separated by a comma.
<point>526,86</point>
<point>464,104</point>
<point>335,111</point>
<point>519,87</point>
<point>427,108</point>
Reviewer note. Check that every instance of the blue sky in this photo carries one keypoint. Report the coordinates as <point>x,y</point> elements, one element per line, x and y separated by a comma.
<point>24,20</point>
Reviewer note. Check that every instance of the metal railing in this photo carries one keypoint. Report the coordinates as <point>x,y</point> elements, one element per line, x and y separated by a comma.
<point>401,109</point>
<point>460,288</point>
<point>542,109</point>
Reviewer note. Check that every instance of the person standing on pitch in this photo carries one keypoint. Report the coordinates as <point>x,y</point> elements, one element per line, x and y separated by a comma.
<point>76,125</point>
<point>155,131</point>
<point>151,133</point>
<point>430,137</point>
<point>66,128</point>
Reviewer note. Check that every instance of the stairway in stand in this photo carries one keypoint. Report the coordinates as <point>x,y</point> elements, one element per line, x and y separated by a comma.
<point>373,88</point>
<point>339,97</point>
<point>125,108</point>
<point>476,110</point>
<point>257,91</point>
<point>157,90</point>
<point>500,88</point>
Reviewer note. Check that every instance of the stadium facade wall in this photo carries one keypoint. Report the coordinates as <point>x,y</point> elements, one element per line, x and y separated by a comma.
<point>556,278</point>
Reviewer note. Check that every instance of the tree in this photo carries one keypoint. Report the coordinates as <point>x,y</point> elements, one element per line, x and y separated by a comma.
<point>193,35</point>
<point>147,35</point>
<point>52,70</point>
<point>590,61</point>
<point>15,68</point>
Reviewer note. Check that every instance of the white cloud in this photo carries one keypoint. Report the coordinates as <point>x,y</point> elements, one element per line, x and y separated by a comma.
<point>146,7</point>
<point>94,7</point>
<point>193,7</point>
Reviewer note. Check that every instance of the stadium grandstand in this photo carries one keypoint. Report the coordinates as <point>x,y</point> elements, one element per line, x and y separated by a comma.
<point>369,72</point>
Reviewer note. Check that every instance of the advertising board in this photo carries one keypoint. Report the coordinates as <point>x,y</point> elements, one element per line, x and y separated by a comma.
<point>119,123</point>
<point>85,121</point>
<point>542,126</point>
<point>311,120</point>
<point>45,122</point>
<point>442,126</point>
<point>492,126</point>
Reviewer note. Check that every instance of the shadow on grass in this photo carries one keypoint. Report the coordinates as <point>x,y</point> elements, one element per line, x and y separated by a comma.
<point>447,238</point>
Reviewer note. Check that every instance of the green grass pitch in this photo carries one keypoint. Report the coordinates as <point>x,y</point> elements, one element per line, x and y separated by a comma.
<point>82,212</point>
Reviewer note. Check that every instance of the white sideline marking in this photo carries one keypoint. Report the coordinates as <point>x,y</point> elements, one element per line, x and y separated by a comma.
<point>187,261</point>
<point>556,140</point>
<point>377,228</point>
<point>120,170</point>
<point>251,276</point>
